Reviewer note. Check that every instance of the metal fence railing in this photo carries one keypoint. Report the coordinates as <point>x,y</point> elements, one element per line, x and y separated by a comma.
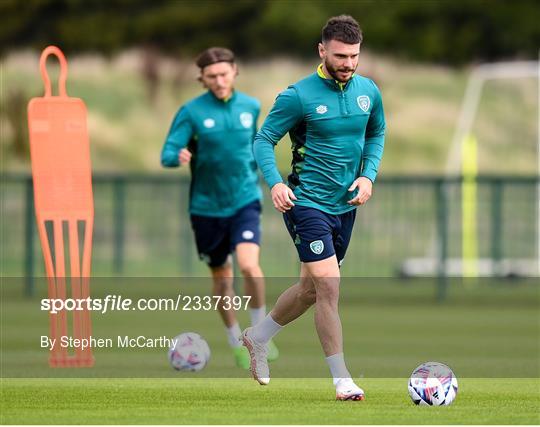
<point>412,225</point>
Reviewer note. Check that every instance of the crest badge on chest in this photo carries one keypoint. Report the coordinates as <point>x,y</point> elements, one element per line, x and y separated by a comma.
<point>246,119</point>
<point>209,123</point>
<point>363,102</point>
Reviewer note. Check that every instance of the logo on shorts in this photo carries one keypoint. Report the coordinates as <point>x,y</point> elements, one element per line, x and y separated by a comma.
<point>209,123</point>
<point>321,109</point>
<point>205,258</point>
<point>363,102</point>
<point>317,247</point>
<point>246,119</point>
<point>248,234</point>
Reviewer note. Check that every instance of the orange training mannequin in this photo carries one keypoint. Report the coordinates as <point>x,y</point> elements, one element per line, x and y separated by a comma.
<point>62,177</point>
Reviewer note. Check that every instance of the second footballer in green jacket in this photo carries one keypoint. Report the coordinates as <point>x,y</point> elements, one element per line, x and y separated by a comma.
<point>214,134</point>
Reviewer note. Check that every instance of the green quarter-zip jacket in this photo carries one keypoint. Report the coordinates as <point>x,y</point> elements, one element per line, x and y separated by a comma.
<point>219,135</point>
<point>337,134</point>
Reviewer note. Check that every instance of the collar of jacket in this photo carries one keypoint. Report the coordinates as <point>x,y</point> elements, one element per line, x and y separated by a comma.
<point>331,82</point>
<point>223,101</point>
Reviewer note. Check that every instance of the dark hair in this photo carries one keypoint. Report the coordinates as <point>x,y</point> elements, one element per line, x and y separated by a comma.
<point>342,28</point>
<point>213,55</point>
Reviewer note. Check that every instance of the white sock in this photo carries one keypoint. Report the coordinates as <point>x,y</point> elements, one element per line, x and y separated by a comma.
<point>257,314</point>
<point>265,330</point>
<point>233,335</point>
<point>339,371</point>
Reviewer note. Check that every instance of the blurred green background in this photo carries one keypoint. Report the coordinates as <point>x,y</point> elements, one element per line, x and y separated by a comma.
<point>132,64</point>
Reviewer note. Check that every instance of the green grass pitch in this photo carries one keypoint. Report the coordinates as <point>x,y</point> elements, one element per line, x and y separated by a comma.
<point>486,332</point>
<point>242,401</point>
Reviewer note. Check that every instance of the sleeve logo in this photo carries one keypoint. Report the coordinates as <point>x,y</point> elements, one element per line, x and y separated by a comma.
<point>321,109</point>
<point>246,119</point>
<point>317,247</point>
<point>363,103</point>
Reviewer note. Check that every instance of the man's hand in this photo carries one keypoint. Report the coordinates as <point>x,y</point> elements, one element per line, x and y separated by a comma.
<point>282,197</point>
<point>364,186</point>
<point>185,156</point>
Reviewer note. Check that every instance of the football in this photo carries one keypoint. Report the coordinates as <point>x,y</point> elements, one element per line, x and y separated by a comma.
<point>189,352</point>
<point>433,384</point>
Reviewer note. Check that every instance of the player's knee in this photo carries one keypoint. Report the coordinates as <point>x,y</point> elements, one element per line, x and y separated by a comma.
<point>222,280</point>
<point>328,290</point>
<point>222,287</point>
<point>250,269</point>
<point>307,296</point>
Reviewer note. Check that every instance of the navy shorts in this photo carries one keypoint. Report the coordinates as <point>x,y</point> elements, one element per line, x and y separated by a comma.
<point>216,238</point>
<point>318,235</point>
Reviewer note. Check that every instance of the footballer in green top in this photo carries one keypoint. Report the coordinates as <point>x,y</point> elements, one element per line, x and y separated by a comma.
<point>214,133</point>
<point>335,119</point>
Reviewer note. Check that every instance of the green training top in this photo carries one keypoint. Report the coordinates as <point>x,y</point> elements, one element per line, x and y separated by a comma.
<point>220,135</point>
<point>337,134</point>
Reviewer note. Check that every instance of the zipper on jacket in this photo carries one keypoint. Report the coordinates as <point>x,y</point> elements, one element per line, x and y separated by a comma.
<point>227,113</point>
<point>342,103</point>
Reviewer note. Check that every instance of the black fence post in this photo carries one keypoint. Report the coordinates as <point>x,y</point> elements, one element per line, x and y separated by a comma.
<point>119,203</point>
<point>441,188</point>
<point>29,235</point>
<point>186,256</point>
<point>496,224</point>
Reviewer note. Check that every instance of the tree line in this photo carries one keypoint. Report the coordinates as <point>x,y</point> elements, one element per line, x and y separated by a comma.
<point>441,31</point>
